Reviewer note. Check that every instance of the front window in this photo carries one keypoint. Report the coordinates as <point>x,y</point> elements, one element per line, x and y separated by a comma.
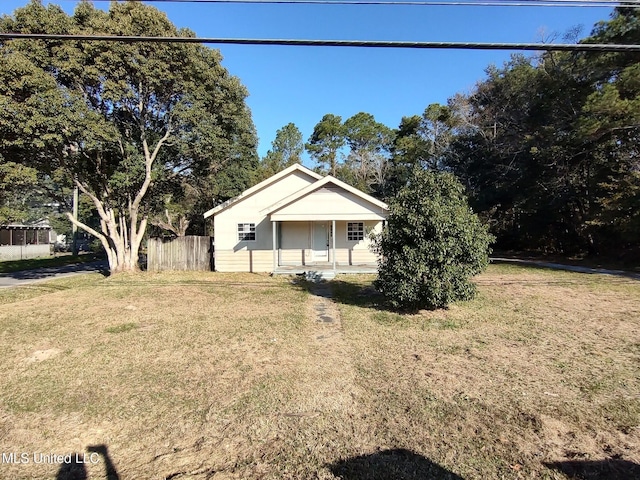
<point>355,231</point>
<point>246,232</point>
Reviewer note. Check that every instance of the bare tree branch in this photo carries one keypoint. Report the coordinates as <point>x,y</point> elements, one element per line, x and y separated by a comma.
<point>87,228</point>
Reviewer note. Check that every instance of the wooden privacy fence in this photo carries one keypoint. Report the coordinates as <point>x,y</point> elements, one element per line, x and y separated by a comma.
<point>182,253</point>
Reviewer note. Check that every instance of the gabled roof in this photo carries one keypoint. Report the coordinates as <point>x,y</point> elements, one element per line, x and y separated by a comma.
<point>319,184</point>
<point>260,186</point>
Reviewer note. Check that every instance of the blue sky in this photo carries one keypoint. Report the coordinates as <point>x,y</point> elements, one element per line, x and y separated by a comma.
<point>301,84</point>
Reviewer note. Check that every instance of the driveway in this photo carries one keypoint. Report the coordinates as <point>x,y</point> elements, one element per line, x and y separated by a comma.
<point>570,268</point>
<point>48,273</point>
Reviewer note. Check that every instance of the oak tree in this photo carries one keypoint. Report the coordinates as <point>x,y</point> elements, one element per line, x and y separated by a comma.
<point>125,122</point>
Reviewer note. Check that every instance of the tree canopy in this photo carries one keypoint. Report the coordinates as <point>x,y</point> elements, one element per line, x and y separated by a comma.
<point>326,141</point>
<point>132,124</point>
<point>16,185</point>
<point>546,146</point>
<point>369,143</point>
<point>550,151</point>
<point>286,150</point>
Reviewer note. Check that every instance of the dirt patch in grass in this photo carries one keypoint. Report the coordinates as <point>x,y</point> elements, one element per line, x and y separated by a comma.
<point>200,375</point>
<point>41,355</point>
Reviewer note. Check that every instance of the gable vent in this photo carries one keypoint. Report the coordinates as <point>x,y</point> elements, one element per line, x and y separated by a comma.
<point>329,189</point>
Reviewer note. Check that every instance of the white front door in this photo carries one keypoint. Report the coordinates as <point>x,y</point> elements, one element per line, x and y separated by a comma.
<point>320,238</point>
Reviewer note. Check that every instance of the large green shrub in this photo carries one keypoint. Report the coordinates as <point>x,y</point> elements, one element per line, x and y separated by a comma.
<point>431,246</point>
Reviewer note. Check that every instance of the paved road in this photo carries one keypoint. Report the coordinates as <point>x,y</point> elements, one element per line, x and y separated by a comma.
<point>48,273</point>
<point>570,268</point>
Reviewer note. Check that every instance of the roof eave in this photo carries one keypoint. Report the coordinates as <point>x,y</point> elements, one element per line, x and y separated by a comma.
<point>316,185</point>
<point>260,186</point>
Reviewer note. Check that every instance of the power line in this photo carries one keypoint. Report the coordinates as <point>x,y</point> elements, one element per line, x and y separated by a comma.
<point>577,47</point>
<point>441,3</point>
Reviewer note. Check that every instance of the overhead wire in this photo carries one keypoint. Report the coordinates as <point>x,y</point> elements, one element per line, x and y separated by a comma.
<point>441,3</point>
<point>582,47</point>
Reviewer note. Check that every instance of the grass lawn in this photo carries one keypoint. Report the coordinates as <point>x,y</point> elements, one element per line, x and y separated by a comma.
<point>229,376</point>
<point>57,261</point>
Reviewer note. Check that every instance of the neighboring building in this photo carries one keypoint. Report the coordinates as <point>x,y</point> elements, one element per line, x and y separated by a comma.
<point>54,237</point>
<point>294,222</point>
<point>18,241</point>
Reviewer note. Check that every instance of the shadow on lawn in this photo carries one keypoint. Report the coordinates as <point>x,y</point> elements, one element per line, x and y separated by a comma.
<point>394,464</point>
<point>75,469</point>
<point>608,469</point>
<point>348,292</point>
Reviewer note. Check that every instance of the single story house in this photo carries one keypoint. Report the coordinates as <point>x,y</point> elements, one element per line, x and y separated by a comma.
<point>297,221</point>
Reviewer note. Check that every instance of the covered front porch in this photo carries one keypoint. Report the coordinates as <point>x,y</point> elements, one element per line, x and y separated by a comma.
<point>323,247</point>
<point>325,228</point>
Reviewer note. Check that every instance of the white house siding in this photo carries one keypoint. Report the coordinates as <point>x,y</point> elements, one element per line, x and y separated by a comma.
<point>295,249</point>
<point>244,261</point>
<point>293,204</point>
<point>232,255</point>
<point>329,203</point>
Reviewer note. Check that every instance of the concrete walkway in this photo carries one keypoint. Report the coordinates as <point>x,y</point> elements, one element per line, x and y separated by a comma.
<point>329,371</point>
<point>25,277</point>
<point>569,268</point>
<point>324,312</point>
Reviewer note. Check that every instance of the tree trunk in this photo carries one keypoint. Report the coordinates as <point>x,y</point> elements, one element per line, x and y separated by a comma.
<point>121,238</point>
<point>122,257</point>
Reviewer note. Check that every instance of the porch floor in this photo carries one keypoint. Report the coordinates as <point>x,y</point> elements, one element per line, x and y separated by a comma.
<point>321,268</point>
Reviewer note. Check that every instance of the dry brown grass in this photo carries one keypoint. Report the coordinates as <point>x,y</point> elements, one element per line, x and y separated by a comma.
<point>541,367</point>
<point>229,376</point>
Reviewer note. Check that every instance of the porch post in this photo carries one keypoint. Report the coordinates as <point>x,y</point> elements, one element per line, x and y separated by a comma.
<point>333,238</point>
<point>273,234</point>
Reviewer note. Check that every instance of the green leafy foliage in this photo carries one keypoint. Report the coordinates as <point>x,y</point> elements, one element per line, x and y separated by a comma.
<point>139,127</point>
<point>420,141</point>
<point>327,139</point>
<point>549,150</point>
<point>432,244</point>
<point>15,181</point>
<point>369,144</point>
<point>286,150</point>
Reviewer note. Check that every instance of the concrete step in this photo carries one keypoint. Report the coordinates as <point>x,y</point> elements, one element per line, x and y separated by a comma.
<point>319,275</point>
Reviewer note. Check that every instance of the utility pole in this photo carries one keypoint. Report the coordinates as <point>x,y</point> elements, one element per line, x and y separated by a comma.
<point>74,228</point>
